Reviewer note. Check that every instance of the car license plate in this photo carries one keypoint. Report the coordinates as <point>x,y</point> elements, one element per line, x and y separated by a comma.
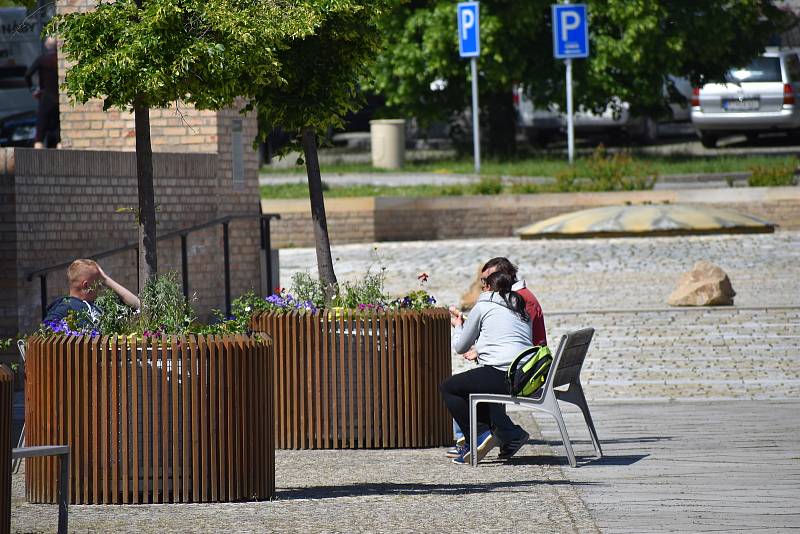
<point>742,104</point>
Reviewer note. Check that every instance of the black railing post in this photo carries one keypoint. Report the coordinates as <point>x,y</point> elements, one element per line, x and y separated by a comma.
<point>138,289</point>
<point>227,256</point>
<point>185,266</point>
<point>43,292</point>
<point>266,246</point>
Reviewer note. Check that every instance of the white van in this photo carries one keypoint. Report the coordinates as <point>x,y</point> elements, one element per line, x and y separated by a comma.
<point>760,97</point>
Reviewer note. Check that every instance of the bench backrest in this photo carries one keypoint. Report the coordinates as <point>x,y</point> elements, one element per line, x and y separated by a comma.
<point>570,355</point>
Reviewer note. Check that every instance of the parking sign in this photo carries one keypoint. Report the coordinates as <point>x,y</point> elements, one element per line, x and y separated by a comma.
<point>570,31</point>
<point>469,43</point>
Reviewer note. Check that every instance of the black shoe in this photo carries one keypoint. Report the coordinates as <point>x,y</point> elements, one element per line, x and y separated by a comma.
<point>512,447</point>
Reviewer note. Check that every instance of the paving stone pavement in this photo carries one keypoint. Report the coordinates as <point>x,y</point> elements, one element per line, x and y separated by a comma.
<point>726,466</point>
<point>605,274</point>
<point>357,491</point>
<point>726,459</point>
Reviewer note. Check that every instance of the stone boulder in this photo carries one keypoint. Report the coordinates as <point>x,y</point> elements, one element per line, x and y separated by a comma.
<point>705,285</point>
<point>469,298</point>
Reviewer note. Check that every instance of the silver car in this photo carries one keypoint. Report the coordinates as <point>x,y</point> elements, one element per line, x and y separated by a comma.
<point>761,97</point>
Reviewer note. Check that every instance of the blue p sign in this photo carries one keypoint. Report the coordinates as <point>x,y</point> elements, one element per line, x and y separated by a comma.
<point>469,43</point>
<point>570,31</point>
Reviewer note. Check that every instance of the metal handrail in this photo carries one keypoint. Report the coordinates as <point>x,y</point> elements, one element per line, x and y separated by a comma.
<point>183,233</point>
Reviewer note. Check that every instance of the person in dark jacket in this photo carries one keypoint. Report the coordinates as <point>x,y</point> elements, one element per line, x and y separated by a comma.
<point>85,278</point>
<point>47,119</point>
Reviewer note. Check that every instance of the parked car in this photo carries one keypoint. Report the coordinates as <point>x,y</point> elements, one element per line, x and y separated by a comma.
<point>18,130</point>
<point>543,125</point>
<point>17,108</point>
<point>760,97</point>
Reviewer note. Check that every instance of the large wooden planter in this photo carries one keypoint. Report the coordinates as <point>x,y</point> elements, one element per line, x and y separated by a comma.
<point>180,420</point>
<point>355,380</point>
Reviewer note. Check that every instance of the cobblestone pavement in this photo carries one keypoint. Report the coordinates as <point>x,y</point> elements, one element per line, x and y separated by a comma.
<point>728,462</point>
<point>606,274</point>
<point>642,349</point>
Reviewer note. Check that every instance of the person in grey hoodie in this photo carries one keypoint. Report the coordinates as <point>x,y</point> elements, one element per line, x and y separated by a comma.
<point>499,328</point>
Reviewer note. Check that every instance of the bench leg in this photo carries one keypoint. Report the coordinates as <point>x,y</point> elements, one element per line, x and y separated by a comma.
<point>63,494</point>
<point>20,443</point>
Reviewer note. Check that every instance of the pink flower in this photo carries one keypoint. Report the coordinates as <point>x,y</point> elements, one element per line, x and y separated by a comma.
<point>422,277</point>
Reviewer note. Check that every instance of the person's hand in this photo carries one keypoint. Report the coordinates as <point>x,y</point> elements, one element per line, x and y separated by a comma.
<point>471,355</point>
<point>456,317</point>
<point>37,94</point>
<point>102,273</point>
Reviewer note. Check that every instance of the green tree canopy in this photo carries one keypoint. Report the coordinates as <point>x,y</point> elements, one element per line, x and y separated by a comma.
<point>321,71</point>
<point>634,46</point>
<point>205,52</point>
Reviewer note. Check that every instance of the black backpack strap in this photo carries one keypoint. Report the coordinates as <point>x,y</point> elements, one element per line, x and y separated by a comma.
<point>512,369</point>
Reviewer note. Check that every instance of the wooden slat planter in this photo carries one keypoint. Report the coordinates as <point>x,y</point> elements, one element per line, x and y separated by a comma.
<point>6,396</point>
<point>179,420</point>
<point>357,380</point>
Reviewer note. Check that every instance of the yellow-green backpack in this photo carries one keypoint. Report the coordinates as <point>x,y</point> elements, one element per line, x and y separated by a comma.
<point>528,371</point>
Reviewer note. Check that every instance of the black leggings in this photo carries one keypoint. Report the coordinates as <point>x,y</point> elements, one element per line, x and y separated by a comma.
<point>456,390</point>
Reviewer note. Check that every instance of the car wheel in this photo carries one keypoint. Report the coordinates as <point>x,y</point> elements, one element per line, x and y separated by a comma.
<point>538,138</point>
<point>649,133</point>
<point>708,140</point>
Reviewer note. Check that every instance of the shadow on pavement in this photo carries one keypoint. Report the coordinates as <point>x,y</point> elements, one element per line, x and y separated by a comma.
<point>583,460</point>
<point>359,490</point>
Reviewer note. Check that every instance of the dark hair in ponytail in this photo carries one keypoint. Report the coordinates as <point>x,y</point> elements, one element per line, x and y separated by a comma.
<point>501,283</point>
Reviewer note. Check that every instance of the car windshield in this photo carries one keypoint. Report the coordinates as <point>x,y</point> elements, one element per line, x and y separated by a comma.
<point>762,69</point>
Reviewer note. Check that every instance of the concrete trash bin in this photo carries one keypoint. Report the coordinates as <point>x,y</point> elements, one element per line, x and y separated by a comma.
<point>388,138</point>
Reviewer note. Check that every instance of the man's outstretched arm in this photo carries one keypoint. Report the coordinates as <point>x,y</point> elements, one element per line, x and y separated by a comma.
<point>126,295</point>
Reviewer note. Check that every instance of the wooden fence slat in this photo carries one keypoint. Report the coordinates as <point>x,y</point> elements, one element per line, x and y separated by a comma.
<point>358,336</point>
<point>94,419</point>
<point>213,389</point>
<point>325,374</point>
<point>67,422</point>
<point>302,382</point>
<point>376,381</point>
<point>391,379</point>
<point>337,380</point>
<point>319,399</point>
<point>157,436</point>
<point>204,421</point>
<point>147,406</point>
<point>133,436</point>
<point>115,431</point>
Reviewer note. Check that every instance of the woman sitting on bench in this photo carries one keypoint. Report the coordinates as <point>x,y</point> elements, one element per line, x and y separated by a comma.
<point>500,329</point>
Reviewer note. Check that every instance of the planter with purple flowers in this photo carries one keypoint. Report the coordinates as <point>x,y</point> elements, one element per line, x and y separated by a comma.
<point>361,374</point>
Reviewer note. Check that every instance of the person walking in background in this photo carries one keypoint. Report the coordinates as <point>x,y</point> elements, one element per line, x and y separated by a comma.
<point>47,118</point>
<point>500,328</point>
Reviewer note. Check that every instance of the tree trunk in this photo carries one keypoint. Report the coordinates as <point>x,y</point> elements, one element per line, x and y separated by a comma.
<point>146,216</point>
<point>323,244</point>
<point>501,123</point>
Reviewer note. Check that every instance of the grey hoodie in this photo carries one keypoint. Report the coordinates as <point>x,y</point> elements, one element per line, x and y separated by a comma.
<point>500,333</point>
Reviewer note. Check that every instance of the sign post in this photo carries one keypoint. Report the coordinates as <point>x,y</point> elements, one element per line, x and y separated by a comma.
<point>570,40</point>
<point>469,45</point>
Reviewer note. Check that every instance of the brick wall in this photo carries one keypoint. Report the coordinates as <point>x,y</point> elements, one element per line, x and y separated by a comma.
<point>8,245</point>
<point>412,219</point>
<point>65,206</point>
